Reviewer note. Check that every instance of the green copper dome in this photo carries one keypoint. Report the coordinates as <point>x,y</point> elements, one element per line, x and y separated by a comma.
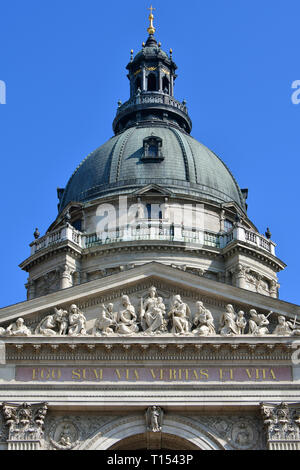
<point>185,166</point>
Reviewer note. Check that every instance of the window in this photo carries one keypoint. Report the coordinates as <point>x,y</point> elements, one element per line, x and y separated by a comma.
<point>152,82</point>
<point>152,147</point>
<point>228,225</point>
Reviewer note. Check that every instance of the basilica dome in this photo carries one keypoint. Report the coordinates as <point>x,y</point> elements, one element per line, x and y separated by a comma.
<point>183,166</point>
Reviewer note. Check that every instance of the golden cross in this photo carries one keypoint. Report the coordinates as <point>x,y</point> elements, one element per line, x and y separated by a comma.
<point>151,29</point>
<point>151,9</point>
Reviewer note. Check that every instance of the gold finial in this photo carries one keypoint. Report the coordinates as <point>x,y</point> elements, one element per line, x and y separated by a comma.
<point>151,30</point>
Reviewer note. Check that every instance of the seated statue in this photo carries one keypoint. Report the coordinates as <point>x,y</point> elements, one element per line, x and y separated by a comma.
<point>152,313</point>
<point>228,322</point>
<point>18,329</point>
<point>77,322</point>
<point>126,323</point>
<point>258,323</point>
<point>105,324</point>
<point>286,328</point>
<point>204,321</point>
<point>180,316</point>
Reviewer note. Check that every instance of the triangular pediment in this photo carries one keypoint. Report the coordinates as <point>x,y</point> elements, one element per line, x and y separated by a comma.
<point>153,189</point>
<point>135,283</point>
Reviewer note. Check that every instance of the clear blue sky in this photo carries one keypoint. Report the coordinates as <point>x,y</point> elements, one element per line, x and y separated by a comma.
<point>63,62</point>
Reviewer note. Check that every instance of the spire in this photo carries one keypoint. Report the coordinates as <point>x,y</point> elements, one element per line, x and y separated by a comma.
<point>151,30</point>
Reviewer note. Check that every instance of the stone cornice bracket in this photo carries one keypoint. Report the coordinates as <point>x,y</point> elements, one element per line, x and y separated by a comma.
<point>281,424</point>
<point>25,425</point>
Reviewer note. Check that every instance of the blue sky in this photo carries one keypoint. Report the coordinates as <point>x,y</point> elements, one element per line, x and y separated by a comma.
<point>63,62</point>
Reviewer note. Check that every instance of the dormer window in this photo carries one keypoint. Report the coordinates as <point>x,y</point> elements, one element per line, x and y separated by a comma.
<point>152,150</point>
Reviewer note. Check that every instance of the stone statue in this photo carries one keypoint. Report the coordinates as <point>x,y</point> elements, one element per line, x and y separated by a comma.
<point>154,417</point>
<point>18,329</point>
<point>126,319</point>
<point>2,331</point>
<point>180,316</point>
<point>47,326</point>
<point>152,313</point>
<point>77,322</point>
<point>258,323</point>
<point>286,328</point>
<point>106,322</point>
<point>241,322</point>
<point>204,321</point>
<point>228,322</point>
<point>61,319</point>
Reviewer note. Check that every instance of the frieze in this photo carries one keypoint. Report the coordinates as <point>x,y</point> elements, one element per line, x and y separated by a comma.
<point>156,314</point>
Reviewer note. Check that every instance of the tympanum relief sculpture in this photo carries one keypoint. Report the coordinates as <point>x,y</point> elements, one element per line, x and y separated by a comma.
<point>151,318</point>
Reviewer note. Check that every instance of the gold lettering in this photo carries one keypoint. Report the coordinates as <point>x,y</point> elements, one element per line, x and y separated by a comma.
<point>136,374</point>
<point>153,374</point>
<point>118,374</point>
<point>76,374</point>
<point>33,374</point>
<point>224,371</point>
<point>98,376</point>
<point>187,374</point>
<point>273,374</point>
<point>161,374</point>
<point>179,374</point>
<point>47,376</point>
<point>127,374</point>
<point>249,373</point>
<point>263,373</point>
<point>173,375</point>
<point>204,373</point>
<point>195,374</point>
<point>56,374</point>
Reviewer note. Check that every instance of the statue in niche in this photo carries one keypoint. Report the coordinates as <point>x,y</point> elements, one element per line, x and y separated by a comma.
<point>154,418</point>
<point>77,322</point>
<point>153,313</point>
<point>241,322</point>
<point>228,322</point>
<point>106,323</point>
<point>286,328</point>
<point>204,321</point>
<point>180,316</point>
<point>18,329</point>
<point>126,318</point>
<point>258,323</point>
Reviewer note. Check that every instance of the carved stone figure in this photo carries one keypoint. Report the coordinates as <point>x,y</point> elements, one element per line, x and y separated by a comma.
<point>46,327</point>
<point>286,328</point>
<point>228,322</point>
<point>126,319</point>
<point>106,322</point>
<point>154,418</point>
<point>204,321</point>
<point>77,322</point>
<point>241,322</point>
<point>180,316</point>
<point>258,323</point>
<point>152,313</point>
<point>2,331</point>
<point>18,329</point>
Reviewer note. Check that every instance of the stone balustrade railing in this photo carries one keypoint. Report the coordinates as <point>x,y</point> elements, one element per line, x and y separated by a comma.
<point>154,230</point>
<point>153,97</point>
<point>58,236</point>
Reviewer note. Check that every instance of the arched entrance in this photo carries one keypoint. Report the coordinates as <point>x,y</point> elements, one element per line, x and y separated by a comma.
<point>163,442</point>
<point>130,433</point>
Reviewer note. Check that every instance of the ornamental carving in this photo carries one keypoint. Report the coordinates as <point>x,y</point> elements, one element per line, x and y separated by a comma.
<point>149,315</point>
<point>282,426</point>
<point>25,422</point>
